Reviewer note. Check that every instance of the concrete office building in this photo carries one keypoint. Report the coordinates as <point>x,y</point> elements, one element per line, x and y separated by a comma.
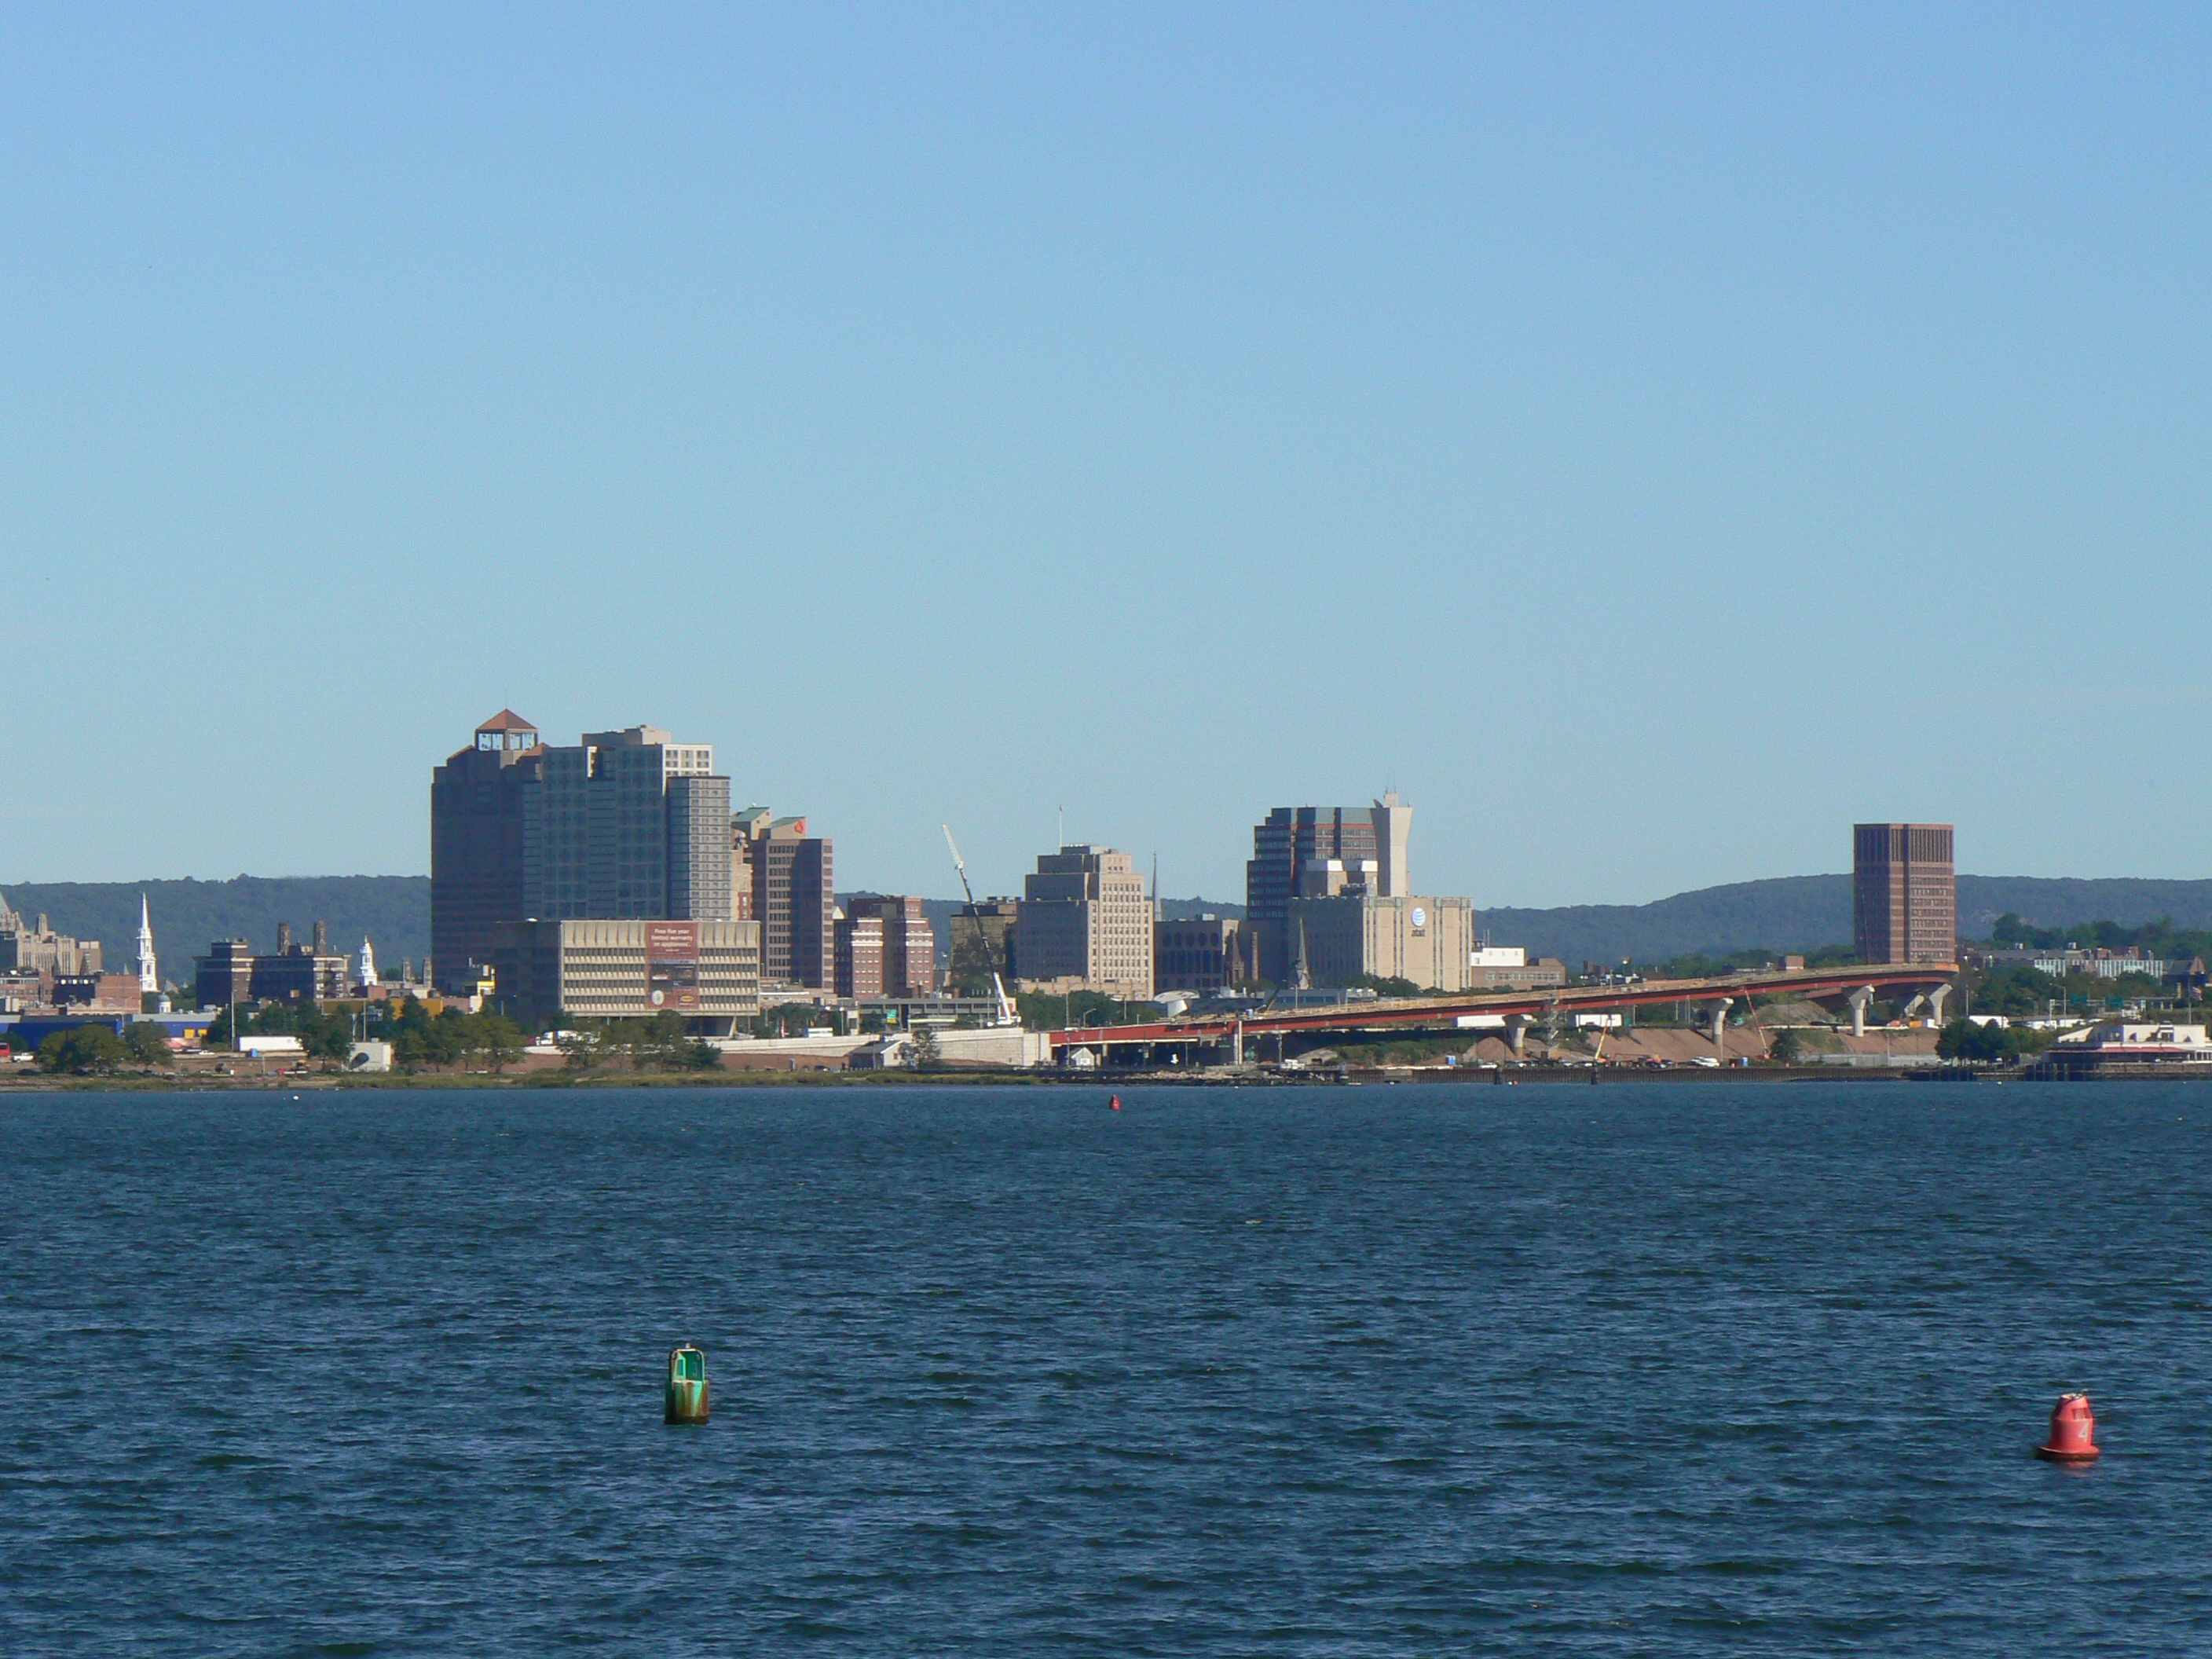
<point>1202,953</point>
<point>860,955</point>
<point>623,824</point>
<point>1393,821</point>
<point>1293,849</point>
<point>1904,893</point>
<point>36,948</point>
<point>298,973</point>
<point>1426,940</point>
<point>224,975</point>
<point>746,829</point>
<point>1507,967</point>
<point>790,877</point>
<point>909,943</point>
<point>293,973</point>
<point>1084,920</point>
<point>707,971</point>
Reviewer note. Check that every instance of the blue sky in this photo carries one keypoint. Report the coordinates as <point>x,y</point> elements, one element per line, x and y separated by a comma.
<point>1648,438</point>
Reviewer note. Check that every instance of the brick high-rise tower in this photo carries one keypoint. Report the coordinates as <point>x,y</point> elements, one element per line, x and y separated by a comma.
<point>1904,893</point>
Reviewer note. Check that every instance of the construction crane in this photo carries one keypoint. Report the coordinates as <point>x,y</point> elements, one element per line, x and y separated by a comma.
<point>1006,1015</point>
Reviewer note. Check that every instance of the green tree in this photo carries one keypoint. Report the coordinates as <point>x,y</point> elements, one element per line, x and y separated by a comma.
<point>442,1041</point>
<point>702,1055</point>
<point>924,1054</point>
<point>579,1045</point>
<point>81,1051</point>
<point>620,1039</point>
<point>500,1039</point>
<point>788,1019</point>
<point>1388,986</point>
<point>2014,988</point>
<point>969,972</point>
<point>1786,1047</point>
<point>325,1034</point>
<point>661,1041</point>
<point>274,1019</point>
<point>1989,1045</point>
<point>409,1015</point>
<point>146,1043</point>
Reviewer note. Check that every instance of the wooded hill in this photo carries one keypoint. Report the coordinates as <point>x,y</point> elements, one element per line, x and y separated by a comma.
<point>1800,913</point>
<point>394,912</point>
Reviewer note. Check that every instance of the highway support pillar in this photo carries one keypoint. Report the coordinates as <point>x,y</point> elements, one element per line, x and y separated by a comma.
<point>1516,1034</point>
<point>1935,999</point>
<point>1720,1027</point>
<point>1858,999</point>
<point>1236,1045</point>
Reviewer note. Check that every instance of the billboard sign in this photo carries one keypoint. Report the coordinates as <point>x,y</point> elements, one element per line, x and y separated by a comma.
<point>671,965</point>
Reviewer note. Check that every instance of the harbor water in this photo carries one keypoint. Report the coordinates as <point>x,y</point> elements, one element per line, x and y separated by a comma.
<point>1645,1369</point>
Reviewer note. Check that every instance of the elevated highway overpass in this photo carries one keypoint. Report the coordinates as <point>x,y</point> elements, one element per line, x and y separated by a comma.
<point>1856,985</point>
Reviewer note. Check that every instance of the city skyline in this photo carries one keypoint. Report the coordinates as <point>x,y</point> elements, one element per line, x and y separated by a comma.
<point>1644,443</point>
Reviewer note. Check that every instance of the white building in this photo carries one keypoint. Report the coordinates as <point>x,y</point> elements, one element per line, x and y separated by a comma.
<point>271,1048</point>
<point>2123,1041</point>
<point>149,980</point>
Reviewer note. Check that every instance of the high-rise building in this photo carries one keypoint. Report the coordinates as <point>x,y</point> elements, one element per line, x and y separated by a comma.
<point>33,947</point>
<point>476,863</point>
<point>1085,920</point>
<point>1393,826</point>
<point>700,876</point>
<point>909,942</point>
<point>647,856</point>
<point>1904,893</point>
<point>556,838</point>
<point>860,955</point>
<point>1318,852</point>
<point>813,914</point>
<point>792,882</point>
<point>627,824</point>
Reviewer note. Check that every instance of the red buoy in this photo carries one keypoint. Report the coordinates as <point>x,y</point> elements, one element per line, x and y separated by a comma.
<point>1116,1102</point>
<point>2073,1431</point>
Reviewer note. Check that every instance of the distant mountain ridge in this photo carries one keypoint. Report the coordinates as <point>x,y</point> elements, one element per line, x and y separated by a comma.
<point>1791,913</point>
<point>1785,913</point>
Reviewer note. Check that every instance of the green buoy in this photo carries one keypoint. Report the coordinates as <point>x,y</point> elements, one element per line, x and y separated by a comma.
<point>687,1385</point>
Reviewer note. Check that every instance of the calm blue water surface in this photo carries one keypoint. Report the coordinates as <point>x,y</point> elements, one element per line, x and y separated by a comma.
<point>1654,1369</point>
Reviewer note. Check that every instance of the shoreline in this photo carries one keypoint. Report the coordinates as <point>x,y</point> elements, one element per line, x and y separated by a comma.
<point>1463,1077</point>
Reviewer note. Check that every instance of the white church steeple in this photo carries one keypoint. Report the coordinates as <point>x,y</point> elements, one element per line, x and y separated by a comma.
<point>149,980</point>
